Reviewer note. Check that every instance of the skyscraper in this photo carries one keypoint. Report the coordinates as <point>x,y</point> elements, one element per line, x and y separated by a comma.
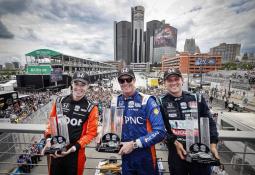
<point>137,18</point>
<point>190,46</point>
<point>151,27</point>
<point>227,51</point>
<point>122,41</point>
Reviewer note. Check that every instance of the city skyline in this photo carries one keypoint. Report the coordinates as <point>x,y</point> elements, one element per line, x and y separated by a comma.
<point>85,28</point>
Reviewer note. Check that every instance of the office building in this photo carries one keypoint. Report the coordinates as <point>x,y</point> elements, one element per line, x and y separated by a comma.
<point>122,42</point>
<point>16,64</point>
<point>229,52</point>
<point>190,46</point>
<point>151,27</point>
<point>137,18</point>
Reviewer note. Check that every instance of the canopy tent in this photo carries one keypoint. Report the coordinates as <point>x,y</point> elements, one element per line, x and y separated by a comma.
<point>42,53</point>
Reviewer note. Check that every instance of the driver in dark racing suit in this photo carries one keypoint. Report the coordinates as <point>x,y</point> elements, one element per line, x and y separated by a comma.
<point>176,106</point>
<point>81,116</point>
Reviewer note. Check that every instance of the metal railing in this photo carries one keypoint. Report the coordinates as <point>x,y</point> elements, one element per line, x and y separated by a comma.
<point>18,136</point>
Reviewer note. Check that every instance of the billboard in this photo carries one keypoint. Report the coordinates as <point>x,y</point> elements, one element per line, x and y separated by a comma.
<point>165,37</point>
<point>205,61</point>
<point>56,75</point>
<point>38,70</point>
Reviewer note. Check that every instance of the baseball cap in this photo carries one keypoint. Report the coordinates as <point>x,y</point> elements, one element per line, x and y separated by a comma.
<point>172,71</point>
<point>81,76</point>
<point>126,71</point>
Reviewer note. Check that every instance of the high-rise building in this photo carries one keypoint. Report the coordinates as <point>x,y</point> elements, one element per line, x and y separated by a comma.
<point>16,64</point>
<point>122,42</point>
<point>229,52</point>
<point>165,42</point>
<point>190,46</point>
<point>137,18</point>
<point>151,27</point>
<point>9,66</point>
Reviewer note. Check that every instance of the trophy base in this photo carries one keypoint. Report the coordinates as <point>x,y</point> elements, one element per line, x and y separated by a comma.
<point>53,151</point>
<point>107,149</point>
<point>110,143</point>
<point>200,153</point>
<point>58,144</point>
<point>202,158</point>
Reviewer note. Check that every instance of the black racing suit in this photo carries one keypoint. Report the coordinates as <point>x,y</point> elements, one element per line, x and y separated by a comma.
<point>82,118</point>
<point>174,111</point>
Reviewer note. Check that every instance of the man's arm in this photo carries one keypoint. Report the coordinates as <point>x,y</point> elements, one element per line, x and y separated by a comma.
<point>155,125</point>
<point>170,136</point>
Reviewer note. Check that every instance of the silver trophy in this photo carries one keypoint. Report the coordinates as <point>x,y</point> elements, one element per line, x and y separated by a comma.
<point>198,140</point>
<point>59,132</point>
<point>110,135</point>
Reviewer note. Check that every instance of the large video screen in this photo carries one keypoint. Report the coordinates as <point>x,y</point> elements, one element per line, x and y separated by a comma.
<point>166,37</point>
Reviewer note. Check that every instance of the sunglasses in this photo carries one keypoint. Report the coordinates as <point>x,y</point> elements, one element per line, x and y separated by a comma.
<point>122,80</point>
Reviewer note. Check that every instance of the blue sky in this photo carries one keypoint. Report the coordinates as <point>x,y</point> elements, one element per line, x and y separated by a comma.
<point>84,28</point>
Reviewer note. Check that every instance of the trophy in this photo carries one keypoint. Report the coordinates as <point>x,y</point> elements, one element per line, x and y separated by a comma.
<point>110,135</point>
<point>198,140</point>
<point>59,132</point>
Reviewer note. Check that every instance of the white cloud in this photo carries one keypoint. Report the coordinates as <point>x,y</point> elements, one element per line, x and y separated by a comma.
<point>85,28</point>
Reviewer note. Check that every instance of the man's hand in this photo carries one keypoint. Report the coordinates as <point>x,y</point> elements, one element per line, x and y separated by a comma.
<point>47,145</point>
<point>126,148</point>
<point>214,150</point>
<point>180,150</point>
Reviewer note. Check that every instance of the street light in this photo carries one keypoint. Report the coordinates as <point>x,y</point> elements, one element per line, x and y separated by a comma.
<point>229,86</point>
<point>200,77</point>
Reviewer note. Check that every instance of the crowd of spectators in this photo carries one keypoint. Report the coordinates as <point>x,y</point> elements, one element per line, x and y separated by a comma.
<point>248,76</point>
<point>26,105</point>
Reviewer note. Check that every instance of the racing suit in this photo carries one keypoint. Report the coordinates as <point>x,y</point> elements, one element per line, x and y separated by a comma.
<point>143,121</point>
<point>174,111</point>
<point>82,118</point>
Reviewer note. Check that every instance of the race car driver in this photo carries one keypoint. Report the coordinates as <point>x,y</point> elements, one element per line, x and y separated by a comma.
<point>177,105</point>
<point>142,127</point>
<point>81,116</point>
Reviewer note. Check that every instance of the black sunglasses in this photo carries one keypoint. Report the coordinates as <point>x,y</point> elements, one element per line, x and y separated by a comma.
<point>122,80</point>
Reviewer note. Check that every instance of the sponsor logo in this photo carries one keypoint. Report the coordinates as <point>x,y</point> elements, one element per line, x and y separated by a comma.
<point>182,132</point>
<point>183,105</point>
<point>192,104</point>
<point>156,111</point>
<point>73,121</point>
<point>65,105</point>
<point>154,104</point>
<point>77,108</point>
<point>172,115</point>
<point>187,115</point>
<point>138,105</point>
<point>121,103</point>
<point>131,104</point>
<point>133,120</point>
<point>150,137</point>
<point>170,105</point>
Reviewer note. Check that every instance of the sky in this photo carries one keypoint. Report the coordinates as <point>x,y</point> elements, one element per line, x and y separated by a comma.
<point>84,28</point>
